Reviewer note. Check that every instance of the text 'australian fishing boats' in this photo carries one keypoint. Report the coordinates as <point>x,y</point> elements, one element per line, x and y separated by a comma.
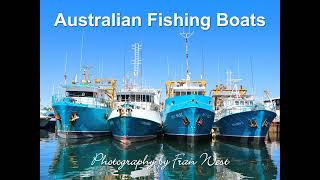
<point>136,116</point>
<point>240,116</point>
<point>188,110</point>
<point>83,110</point>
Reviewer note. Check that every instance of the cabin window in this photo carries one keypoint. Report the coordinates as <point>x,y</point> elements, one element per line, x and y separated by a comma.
<point>132,98</point>
<point>79,94</point>
<point>118,98</point>
<point>123,98</point>
<point>183,93</point>
<point>143,98</point>
<point>138,98</point>
<point>241,103</point>
<point>237,102</point>
<point>251,103</point>
<point>147,98</point>
<point>188,93</point>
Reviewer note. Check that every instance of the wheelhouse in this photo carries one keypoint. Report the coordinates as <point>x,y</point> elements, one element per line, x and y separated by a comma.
<point>182,88</point>
<point>135,97</point>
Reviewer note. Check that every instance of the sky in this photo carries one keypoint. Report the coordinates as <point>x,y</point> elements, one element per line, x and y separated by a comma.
<point>217,49</point>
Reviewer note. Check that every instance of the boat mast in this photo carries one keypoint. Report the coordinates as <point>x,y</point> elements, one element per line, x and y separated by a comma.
<point>65,70</point>
<point>187,36</point>
<point>136,47</point>
<point>252,81</point>
<point>202,73</point>
<point>124,72</point>
<point>81,50</point>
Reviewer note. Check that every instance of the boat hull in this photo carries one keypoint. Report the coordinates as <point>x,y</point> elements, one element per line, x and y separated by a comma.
<point>91,121</point>
<point>133,129</point>
<point>193,108</point>
<point>237,126</point>
<point>44,121</point>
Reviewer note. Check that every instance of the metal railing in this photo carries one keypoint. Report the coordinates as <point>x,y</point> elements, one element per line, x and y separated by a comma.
<point>238,109</point>
<point>90,101</point>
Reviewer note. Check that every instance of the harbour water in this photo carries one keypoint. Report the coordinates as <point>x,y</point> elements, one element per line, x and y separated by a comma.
<point>106,158</point>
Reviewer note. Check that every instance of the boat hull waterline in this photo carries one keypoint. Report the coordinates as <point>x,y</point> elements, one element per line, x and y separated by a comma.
<point>90,122</point>
<point>239,125</point>
<point>133,129</point>
<point>192,116</point>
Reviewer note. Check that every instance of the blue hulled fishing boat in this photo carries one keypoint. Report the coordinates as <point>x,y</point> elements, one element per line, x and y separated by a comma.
<point>83,110</point>
<point>44,118</point>
<point>240,116</point>
<point>136,116</point>
<point>188,111</point>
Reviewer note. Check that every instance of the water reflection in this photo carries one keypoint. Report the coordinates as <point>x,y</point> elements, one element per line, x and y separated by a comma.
<point>189,166</point>
<point>74,159</point>
<point>147,151</point>
<point>247,161</point>
<point>46,134</point>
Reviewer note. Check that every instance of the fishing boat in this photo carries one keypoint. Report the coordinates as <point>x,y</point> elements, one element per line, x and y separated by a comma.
<point>44,119</point>
<point>52,121</point>
<point>188,110</point>
<point>83,110</point>
<point>136,116</point>
<point>238,115</point>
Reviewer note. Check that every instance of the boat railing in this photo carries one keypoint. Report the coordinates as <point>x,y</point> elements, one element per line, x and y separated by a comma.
<point>237,109</point>
<point>91,101</point>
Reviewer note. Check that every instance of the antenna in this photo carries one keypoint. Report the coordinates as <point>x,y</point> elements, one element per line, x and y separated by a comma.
<point>81,49</point>
<point>229,78</point>
<point>136,62</point>
<point>141,69</point>
<point>187,36</point>
<point>202,59</point>
<point>65,69</point>
<point>124,72</point>
<point>76,78</point>
<point>252,81</point>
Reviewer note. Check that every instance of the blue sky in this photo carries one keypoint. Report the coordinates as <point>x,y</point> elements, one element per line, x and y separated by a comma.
<point>114,43</point>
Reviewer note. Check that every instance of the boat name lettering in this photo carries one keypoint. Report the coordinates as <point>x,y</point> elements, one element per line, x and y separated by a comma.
<point>237,124</point>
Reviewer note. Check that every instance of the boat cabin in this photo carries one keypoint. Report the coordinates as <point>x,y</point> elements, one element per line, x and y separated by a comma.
<point>238,102</point>
<point>146,99</point>
<point>83,91</point>
<point>135,97</point>
<point>182,88</point>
